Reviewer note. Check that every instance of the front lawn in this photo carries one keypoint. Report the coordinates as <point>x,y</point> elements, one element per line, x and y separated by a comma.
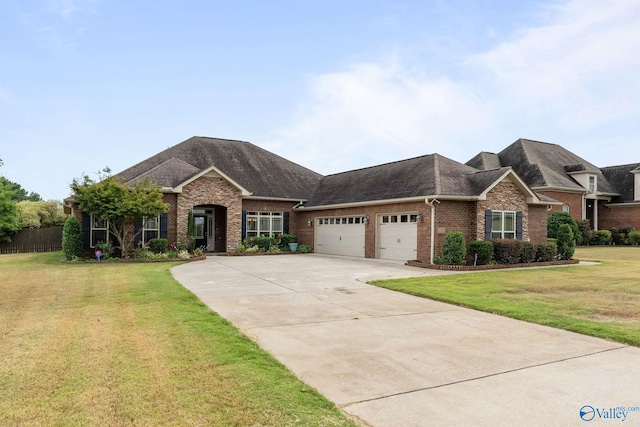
<point>600,300</point>
<point>125,344</point>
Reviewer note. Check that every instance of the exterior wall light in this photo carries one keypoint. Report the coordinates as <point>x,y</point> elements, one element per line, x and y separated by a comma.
<point>310,223</point>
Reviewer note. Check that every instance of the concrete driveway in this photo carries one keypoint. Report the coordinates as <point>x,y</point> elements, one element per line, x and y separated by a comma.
<point>396,360</point>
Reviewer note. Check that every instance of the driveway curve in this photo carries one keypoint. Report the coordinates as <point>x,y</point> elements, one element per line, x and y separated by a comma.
<point>392,359</point>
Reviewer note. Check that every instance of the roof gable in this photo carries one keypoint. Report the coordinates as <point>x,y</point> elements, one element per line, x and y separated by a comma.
<point>258,171</point>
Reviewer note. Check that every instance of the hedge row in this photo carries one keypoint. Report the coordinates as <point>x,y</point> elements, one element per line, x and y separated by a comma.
<point>509,252</point>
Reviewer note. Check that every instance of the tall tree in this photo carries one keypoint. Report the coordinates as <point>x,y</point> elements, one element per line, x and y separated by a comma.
<point>18,193</point>
<point>9,215</point>
<point>120,205</point>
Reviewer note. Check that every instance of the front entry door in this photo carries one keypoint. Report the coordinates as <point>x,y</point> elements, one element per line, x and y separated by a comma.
<point>204,231</point>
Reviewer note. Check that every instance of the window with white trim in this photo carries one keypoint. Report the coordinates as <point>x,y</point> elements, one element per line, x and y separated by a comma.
<point>503,225</point>
<point>565,208</point>
<point>592,184</point>
<point>264,223</point>
<point>99,231</point>
<point>150,229</point>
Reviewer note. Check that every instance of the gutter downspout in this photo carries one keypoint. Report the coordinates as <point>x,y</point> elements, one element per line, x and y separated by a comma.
<point>433,226</point>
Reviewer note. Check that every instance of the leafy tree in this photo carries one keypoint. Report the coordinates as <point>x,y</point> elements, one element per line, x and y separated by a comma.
<point>454,249</point>
<point>556,219</point>
<point>40,214</point>
<point>9,215</point>
<point>120,205</point>
<point>72,238</point>
<point>565,242</point>
<point>18,193</point>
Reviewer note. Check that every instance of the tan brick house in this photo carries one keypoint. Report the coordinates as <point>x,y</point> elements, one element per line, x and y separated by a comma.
<point>400,210</point>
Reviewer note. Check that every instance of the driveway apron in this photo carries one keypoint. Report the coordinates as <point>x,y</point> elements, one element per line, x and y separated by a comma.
<point>392,359</point>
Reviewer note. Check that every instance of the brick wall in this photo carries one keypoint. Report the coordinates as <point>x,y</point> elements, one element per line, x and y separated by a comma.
<point>618,217</point>
<point>574,200</point>
<point>212,191</point>
<point>538,216</point>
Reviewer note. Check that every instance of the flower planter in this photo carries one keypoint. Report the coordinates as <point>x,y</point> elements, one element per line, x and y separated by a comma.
<point>293,247</point>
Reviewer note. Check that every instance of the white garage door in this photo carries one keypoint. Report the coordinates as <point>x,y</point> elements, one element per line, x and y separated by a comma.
<point>398,236</point>
<point>340,236</point>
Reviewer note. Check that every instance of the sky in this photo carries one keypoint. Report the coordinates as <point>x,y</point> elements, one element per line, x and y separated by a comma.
<point>333,85</point>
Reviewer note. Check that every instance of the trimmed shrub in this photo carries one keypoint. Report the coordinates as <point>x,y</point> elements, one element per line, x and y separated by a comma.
<point>601,237</point>
<point>546,252</point>
<point>566,244</point>
<point>483,248</point>
<point>507,251</point>
<point>454,248</point>
<point>527,252</point>
<point>634,237</point>
<point>285,239</point>
<point>262,242</point>
<point>106,248</point>
<point>158,246</point>
<point>72,238</point>
<point>556,219</point>
<point>305,249</point>
<point>585,228</point>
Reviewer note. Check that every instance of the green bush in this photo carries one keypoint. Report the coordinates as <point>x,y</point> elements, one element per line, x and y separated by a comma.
<point>72,238</point>
<point>507,251</point>
<point>601,237</point>
<point>285,239</point>
<point>263,242</point>
<point>106,248</point>
<point>527,252</point>
<point>585,228</point>
<point>483,248</point>
<point>634,237</point>
<point>546,252</point>
<point>158,246</point>
<point>566,244</point>
<point>556,219</point>
<point>305,249</point>
<point>454,249</point>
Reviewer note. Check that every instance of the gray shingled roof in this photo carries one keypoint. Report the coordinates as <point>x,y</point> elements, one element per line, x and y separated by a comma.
<point>425,176</point>
<point>484,161</point>
<point>543,165</point>
<point>259,171</point>
<point>622,180</point>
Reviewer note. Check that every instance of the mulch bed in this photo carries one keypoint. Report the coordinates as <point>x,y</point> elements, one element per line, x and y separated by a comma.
<point>423,264</point>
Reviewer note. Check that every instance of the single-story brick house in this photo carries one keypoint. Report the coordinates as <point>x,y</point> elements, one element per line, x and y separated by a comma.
<point>607,197</point>
<point>400,210</point>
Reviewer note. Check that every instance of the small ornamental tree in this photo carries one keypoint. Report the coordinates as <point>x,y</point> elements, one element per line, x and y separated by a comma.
<point>72,238</point>
<point>565,242</point>
<point>120,205</point>
<point>454,249</point>
<point>556,219</point>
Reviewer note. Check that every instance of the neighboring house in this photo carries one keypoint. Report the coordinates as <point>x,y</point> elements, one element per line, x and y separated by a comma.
<point>607,197</point>
<point>400,210</point>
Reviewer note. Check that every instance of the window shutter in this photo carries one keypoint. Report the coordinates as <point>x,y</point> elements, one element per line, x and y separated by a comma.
<point>487,224</point>
<point>164,225</point>
<point>86,230</point>
<point>244,225</point>
<point>285,223</point>
<point>519,225</point>
<point>137,227</point>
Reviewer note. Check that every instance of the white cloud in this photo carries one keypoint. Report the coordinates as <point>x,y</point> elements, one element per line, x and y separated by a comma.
<point>568,81</point>
<point>68,8</point>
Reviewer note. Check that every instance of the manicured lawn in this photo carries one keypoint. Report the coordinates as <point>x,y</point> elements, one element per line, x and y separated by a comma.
<point>601,300</point>
<point>125,344</point>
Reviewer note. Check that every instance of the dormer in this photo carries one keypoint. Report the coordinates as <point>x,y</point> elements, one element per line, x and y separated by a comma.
<point>588,179</point>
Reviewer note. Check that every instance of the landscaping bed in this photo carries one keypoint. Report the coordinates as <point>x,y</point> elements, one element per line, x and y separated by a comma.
<point>423,264</point>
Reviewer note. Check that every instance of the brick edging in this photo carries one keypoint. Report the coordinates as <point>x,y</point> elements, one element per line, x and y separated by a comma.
<point>423,264</point>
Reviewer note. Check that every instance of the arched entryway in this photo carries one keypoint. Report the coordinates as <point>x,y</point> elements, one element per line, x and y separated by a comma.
<point>210,227</point>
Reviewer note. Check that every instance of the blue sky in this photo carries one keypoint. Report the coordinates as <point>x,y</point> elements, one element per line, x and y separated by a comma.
<point>332,85</point>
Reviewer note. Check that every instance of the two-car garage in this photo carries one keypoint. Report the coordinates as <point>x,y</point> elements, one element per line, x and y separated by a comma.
<point>395,237</point>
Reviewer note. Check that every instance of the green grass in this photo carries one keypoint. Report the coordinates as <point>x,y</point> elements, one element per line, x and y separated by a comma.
<point>600,300</point>
<point>125,344</point>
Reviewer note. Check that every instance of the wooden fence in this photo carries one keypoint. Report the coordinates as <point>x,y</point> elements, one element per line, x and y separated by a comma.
<point>34,240</point>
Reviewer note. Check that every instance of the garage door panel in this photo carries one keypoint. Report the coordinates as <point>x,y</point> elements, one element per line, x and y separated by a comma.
<point>398,240</point>
<point>340,239</point>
